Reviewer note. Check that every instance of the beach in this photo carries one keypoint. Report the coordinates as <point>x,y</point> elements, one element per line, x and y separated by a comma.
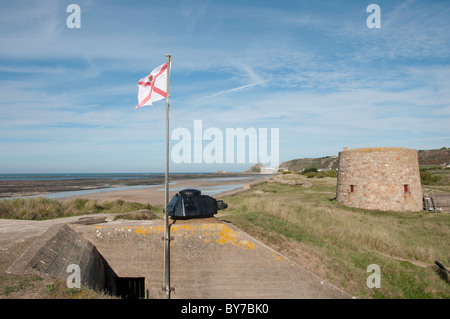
<point>143,190</point>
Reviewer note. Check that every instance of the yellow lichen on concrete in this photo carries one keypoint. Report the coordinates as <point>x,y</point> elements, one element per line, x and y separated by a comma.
<point>276,256</point>
<point>207,227</point>
<point>227,235</point>
<point>247,244</point>
<point>160,229</point>
<point>143,231</point>
<point>185,228</point>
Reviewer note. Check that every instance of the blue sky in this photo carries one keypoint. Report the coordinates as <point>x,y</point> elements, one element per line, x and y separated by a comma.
<point>313,69</point>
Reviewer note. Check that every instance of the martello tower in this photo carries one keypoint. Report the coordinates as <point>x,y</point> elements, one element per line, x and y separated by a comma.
<point>381,178</point>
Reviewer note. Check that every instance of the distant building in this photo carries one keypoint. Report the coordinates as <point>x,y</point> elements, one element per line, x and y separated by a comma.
<point>268,170</point>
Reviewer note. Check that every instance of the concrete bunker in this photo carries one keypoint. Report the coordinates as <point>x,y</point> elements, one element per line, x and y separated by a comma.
<point>60,252</point>
<point>209,259</point>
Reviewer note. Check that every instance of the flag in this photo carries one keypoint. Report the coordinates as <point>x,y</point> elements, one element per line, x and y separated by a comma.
<point>153,87</point>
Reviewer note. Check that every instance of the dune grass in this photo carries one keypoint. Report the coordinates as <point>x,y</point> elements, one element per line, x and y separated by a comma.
<point>41,208</point>
<point>347,240</point>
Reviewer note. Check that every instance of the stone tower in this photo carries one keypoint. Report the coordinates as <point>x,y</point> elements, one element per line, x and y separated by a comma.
<point>380,178</point>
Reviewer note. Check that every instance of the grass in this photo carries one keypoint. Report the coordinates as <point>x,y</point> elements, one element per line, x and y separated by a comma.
<point>17,283</point>
<point>41,208</point>
<point>22,286</point>
<point>298,220</point>
<point>58,290</point>
<point>435,176</point>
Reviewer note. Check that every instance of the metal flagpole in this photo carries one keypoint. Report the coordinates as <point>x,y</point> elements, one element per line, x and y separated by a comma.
<point>167,228</point>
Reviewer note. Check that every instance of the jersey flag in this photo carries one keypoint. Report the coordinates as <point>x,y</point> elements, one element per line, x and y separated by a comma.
<point>153,87</point>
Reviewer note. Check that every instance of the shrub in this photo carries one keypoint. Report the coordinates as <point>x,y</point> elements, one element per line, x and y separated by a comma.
<point>314,173</point>
<point>428,179</point>
<point>309,170</point>
<point>331,173</point>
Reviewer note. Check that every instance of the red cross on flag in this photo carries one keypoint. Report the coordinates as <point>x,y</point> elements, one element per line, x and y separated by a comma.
<point>153,87</point>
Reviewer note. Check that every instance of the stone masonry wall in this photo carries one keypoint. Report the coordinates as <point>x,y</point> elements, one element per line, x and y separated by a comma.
<point>385,178</point>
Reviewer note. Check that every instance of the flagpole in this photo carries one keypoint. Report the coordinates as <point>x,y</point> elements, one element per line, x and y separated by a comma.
<point>167,226</point>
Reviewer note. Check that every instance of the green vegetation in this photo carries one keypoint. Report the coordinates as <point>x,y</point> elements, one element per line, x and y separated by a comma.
<point>305,163</point>
<point>18,283</point>
<point>338,243</point>
<point>428,178</point>
<point>58,290</point>
<point>435,178</point>
<point>314,172</point>
<point>41,208</point>
<point>255,168</point>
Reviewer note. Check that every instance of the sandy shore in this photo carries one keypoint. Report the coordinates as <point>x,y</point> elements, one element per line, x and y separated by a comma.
<point>210,184</point>
<point>155,195</point>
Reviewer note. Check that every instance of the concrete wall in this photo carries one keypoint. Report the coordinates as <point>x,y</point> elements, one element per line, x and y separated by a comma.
<point>59,247</point>
<point>379,176</point>
<point>208,259</point>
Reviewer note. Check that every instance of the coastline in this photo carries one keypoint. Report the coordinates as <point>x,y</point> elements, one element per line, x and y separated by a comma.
<point>144,190</point>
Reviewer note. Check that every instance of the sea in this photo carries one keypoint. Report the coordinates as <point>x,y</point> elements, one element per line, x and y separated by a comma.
<point>69,176</point>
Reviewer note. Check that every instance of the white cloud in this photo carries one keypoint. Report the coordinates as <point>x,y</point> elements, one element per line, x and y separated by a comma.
<point>313,70</point>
